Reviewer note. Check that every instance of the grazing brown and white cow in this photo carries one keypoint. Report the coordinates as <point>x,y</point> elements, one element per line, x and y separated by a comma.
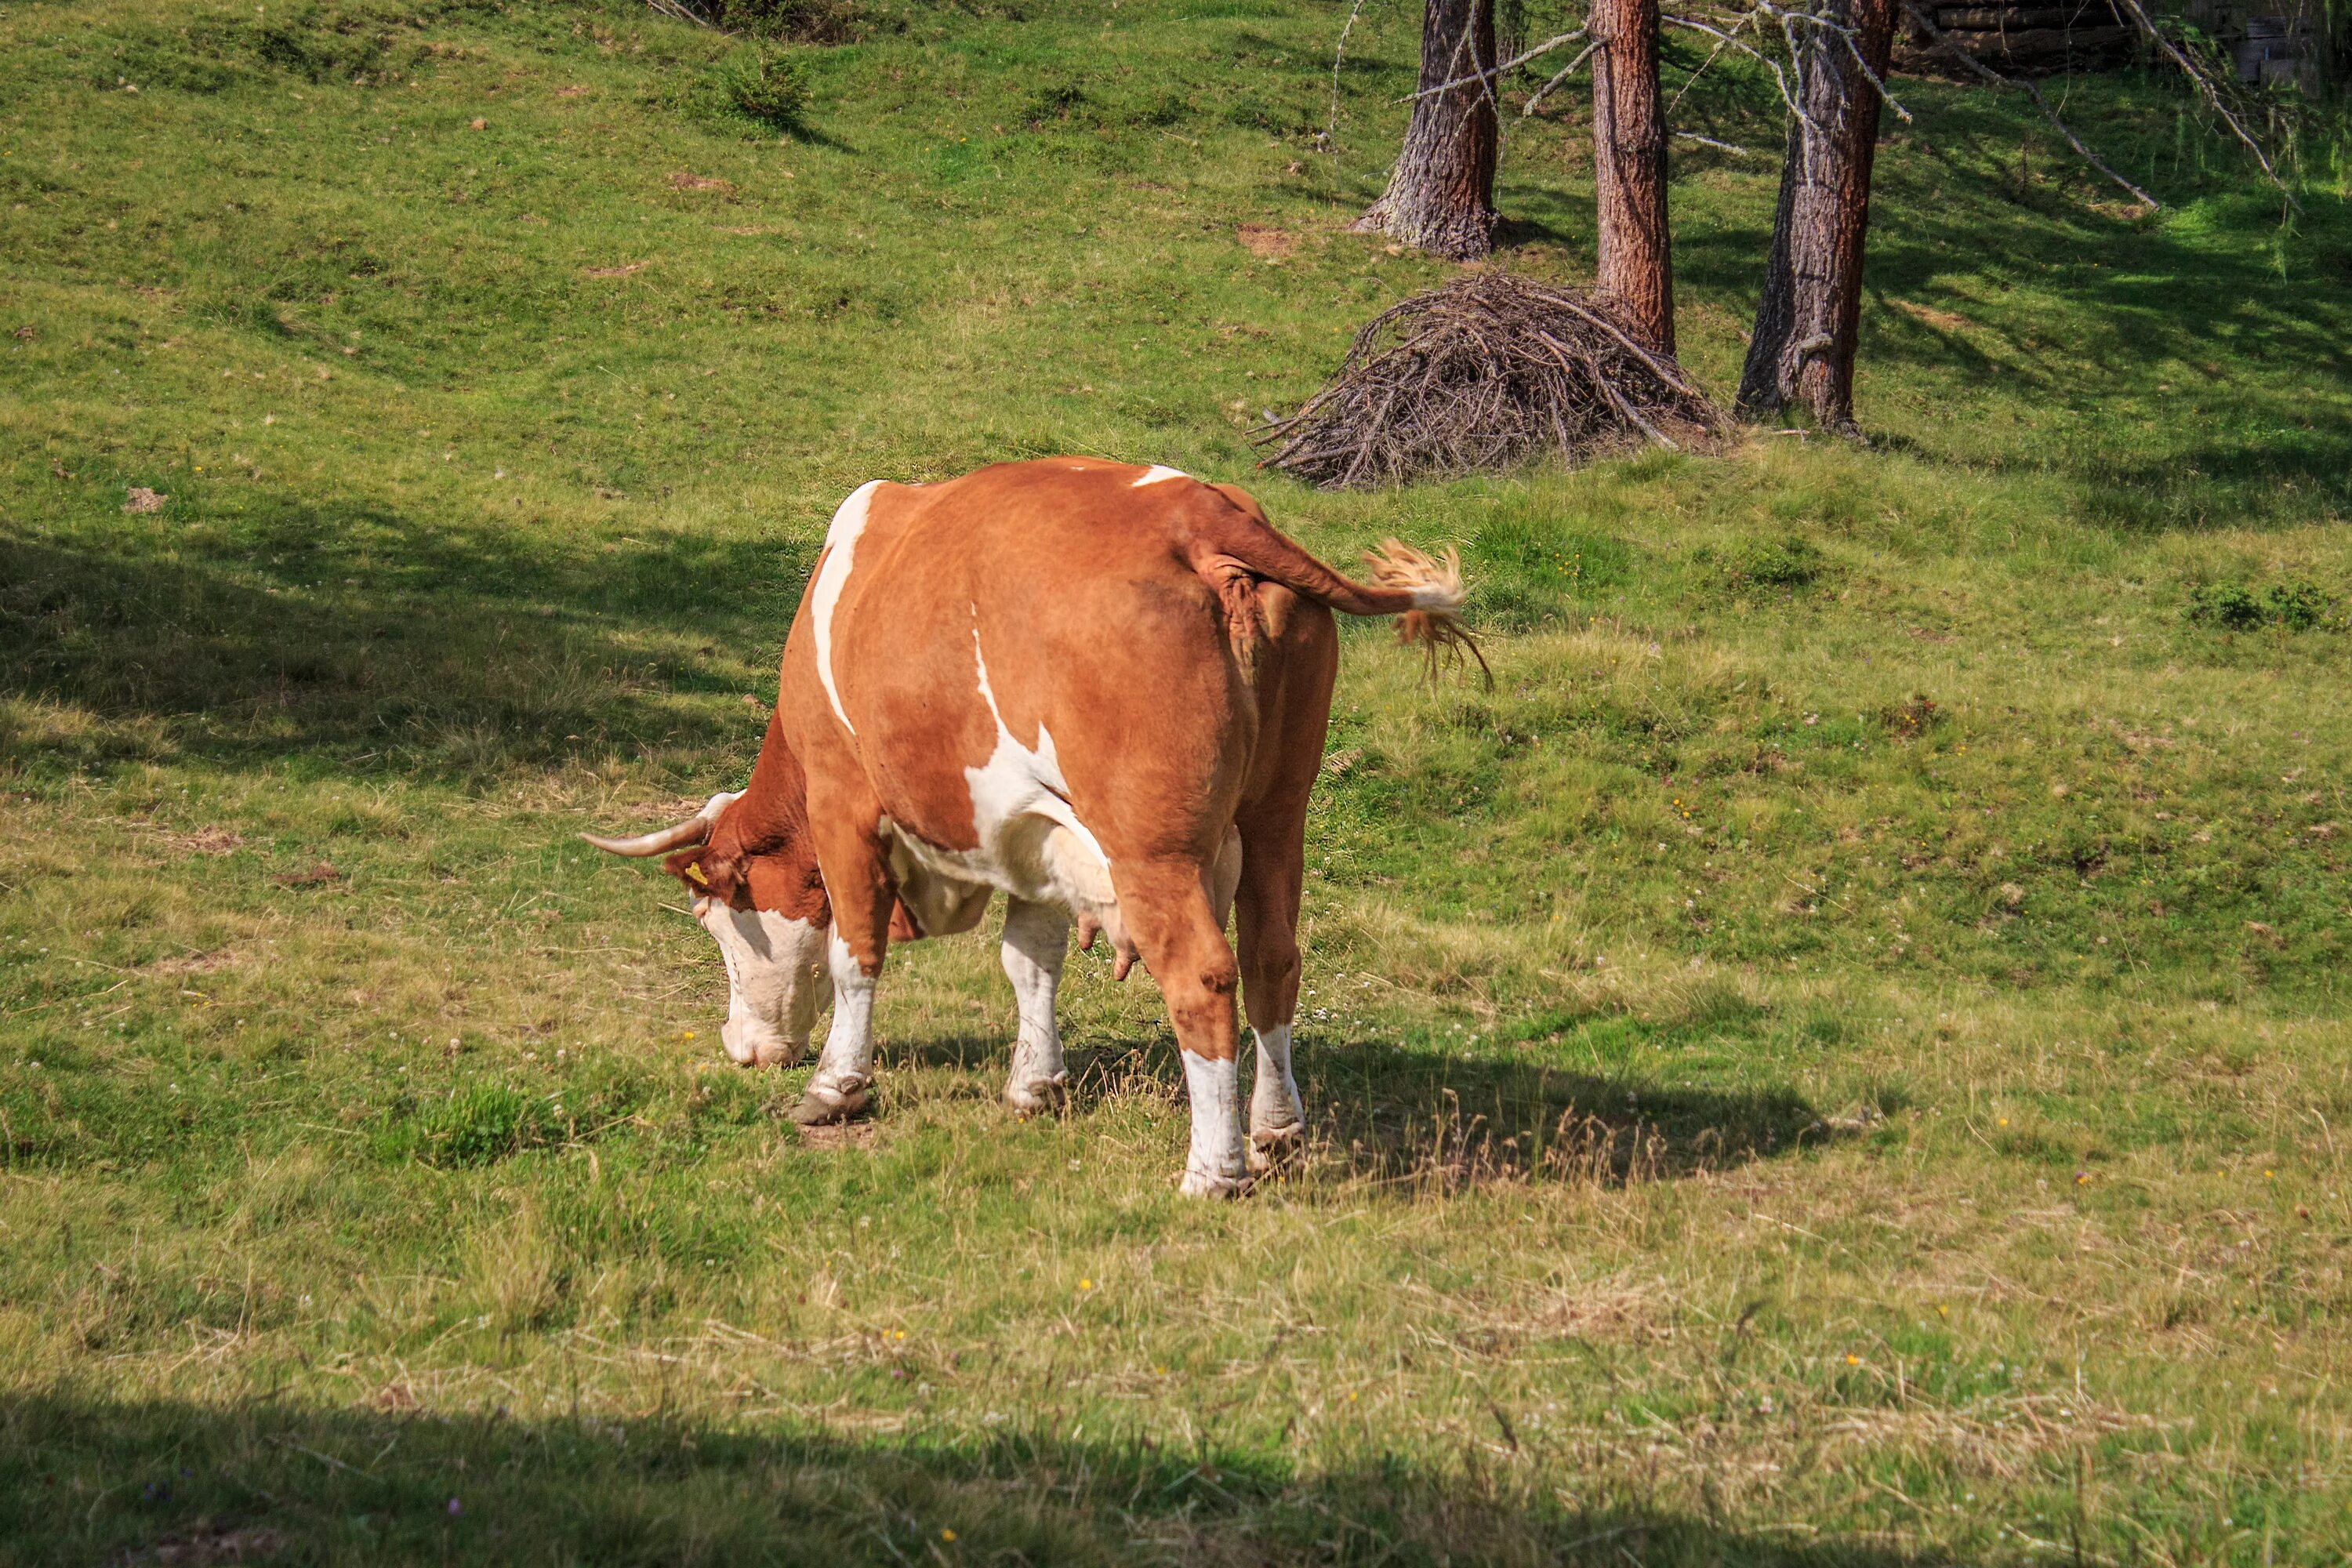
<point>1098,688</point>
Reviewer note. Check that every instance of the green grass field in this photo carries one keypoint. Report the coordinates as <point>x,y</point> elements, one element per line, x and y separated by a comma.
<point>1841,1058</point>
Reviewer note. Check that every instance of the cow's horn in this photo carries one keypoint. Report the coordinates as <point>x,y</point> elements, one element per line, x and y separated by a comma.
<point>695,829</point>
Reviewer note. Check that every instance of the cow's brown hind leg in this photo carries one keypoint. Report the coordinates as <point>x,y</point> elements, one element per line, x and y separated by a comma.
<point>1167,908</point>
<point>1273,863</point>
<point>850,854</point>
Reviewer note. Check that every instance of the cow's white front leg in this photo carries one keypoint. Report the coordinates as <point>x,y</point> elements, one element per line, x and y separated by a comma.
<point>1036,938</point>
<point>844,1073</point>
<point>1278,1121</point>
<point>1216,1167</point>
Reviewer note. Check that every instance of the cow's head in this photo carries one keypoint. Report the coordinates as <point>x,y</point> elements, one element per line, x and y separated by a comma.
<point>750,877</point>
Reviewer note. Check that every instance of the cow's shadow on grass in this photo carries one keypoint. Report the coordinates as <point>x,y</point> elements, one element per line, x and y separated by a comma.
<point>84,1478</point>
<point>1433,1115</point>
<point>1431,1118</point>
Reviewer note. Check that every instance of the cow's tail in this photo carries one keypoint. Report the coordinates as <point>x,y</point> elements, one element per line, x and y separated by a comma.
<point>1424,592</point>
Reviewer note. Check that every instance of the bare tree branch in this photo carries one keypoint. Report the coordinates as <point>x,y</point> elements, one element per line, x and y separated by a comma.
<point>1566,71</point>
<point>1692,80</point>
<point>1951,48</point>
<point>1498,72</point>
<point>1331,131</point>
<point>1731,41</point>
<point>2206,85</point>
<point>1861,64</point>
<point>680,11</point>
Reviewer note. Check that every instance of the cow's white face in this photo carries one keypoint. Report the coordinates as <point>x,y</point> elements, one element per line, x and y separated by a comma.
<point>777,981</point>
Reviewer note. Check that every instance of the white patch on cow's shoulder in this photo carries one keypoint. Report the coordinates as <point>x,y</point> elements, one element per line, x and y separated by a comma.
<point>1017,782</point>
<point>1028,839</point>
<point>1157,472</point>
<point>831,577</point>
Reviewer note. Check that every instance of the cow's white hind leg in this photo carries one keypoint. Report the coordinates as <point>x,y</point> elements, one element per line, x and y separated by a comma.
<point>1278,1121</point>
<point>1216,1167</point>
<point>1166,903</point>
<point>1036,938</point>
<point>843,1083</point>
<point>1272,864</point>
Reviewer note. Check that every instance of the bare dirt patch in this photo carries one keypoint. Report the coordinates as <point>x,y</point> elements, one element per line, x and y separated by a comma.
<point>141,499</point>
<point>1605,1309</point>
<point>202,840</point>
<point>682,181</point>
<point>840,1135</point>
<point>193,963</point>
<point>209,1544</point>
<point>1266,242</point>
<point>1942,320</point>
<point>624,269</point>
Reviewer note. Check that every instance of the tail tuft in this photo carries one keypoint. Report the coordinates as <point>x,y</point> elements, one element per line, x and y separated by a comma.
<point>1434,623</point>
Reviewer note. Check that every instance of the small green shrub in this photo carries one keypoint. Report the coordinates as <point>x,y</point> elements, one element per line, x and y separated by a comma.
<point>481,1123</point>
<point>1910,719</point>
<point>1789,563</point>
<point>1056,104</point>
<point>2296,606</point>
<point>2230,605</point>
<point>802,21</point>
<point>323,45</point>
<point>759,83</point>
<point>154,57</point>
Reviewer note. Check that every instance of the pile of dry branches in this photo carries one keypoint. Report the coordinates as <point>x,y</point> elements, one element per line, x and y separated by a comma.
<point>1484,373</point>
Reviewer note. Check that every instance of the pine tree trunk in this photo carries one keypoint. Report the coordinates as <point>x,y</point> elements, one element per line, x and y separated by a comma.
<point>1440,197</point>
<point>1802,351</point>
<point>1629,167</point>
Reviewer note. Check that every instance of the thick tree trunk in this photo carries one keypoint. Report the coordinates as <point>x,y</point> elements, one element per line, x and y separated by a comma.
<point>1802,351</point>
<point>1440,197</point>
<point>1629,167</point>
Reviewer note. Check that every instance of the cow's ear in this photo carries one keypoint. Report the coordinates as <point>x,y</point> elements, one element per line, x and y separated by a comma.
<point>705,872</point>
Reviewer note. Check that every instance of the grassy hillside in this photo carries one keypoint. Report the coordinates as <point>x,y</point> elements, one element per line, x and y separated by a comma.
<point>1839,1058</point>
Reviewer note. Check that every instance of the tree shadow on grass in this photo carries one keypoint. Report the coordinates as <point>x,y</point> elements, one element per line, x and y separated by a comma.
<point>88,1479</point>
<point>2156,352</point>
<point>375,642</point>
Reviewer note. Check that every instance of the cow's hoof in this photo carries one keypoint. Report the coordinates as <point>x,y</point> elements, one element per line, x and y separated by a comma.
<point>776,1055</point>
<point>1207,1184</point>
<point>1039,1095</point>
<point>822,1103</point>
<point>1273,1149</point>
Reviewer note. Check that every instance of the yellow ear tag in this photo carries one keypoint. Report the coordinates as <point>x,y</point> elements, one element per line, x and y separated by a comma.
<point>693,869</point>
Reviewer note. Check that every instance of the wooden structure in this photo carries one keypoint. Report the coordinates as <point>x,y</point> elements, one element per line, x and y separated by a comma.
<point>2034,38</point>
<point>2276,43</point>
